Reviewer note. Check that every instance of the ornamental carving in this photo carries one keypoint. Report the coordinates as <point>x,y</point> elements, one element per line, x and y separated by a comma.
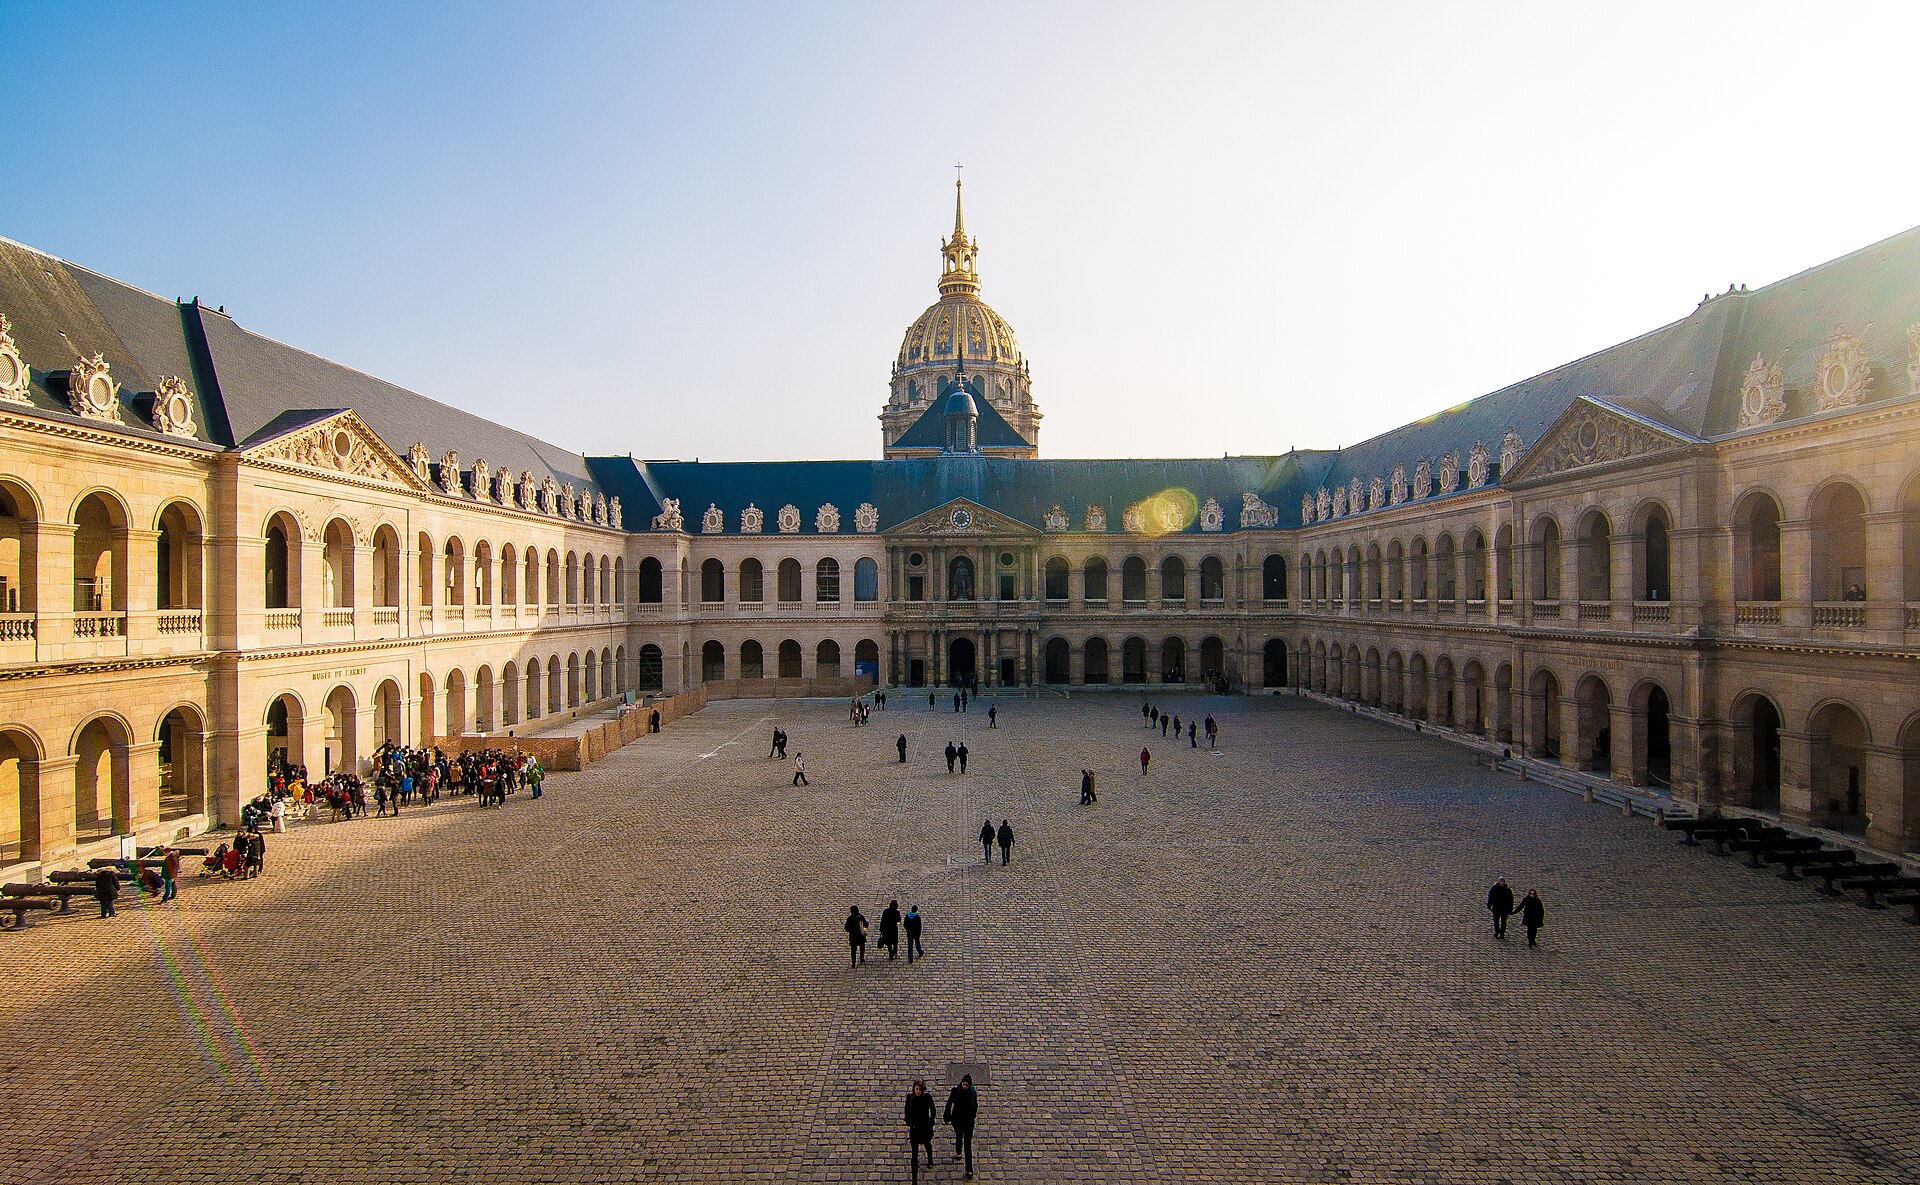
<point>669,517</point>
<point>1308,511</point>
<point>333,447</point>
<point>1212,518</point>
<point>450,473</point>
<point>826,520</point>
<point>1173,516</point>
<point>1913,357</point>
<point>1256,513</point>
<point>549,496</point>
<point>1512,448</point>
<point>1449,472</point>
<point>503,487</point>
<point>1355,493</point>
<point>1377,493</point>
<point>1591,435</point>
<point>1323,505</point>
<point>1133,519</point>
<point>714,520</point>
<point>600,509</point>
<point>16,377</point>
<point>1479,461</point>
<point>172,406</point>
<point>1842,376</point>
<point>1422,479</point>
<point>866,518</point>
<point>480,481</point>
<point>569,502</point>
<point>1097,517</point>
<point>422,463</point>
<point>1339,501</point>
<point>1056,518</point>
<point>1397,489</point>
<point>91,389</point>
<point>1763,393</point>
<point>529,491</point>
<point>752,519</point>
<point>613,512</point>
<point>789,519</point>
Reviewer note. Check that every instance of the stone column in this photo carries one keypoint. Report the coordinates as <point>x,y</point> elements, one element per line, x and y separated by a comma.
<point>1796,582</point>
<point>1885,783</point>
<point>143,786</point>
<point>1625,757</point>
<point>53,777</point>
<point>1886,611</point>
<point>32,841</point>
<point>52,588</point>
<point>143,585</point>
<point>1796,777</point>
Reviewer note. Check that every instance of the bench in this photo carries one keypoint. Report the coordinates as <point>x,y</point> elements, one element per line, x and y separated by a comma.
<point>66,893</point>
<point>1872,886</point>
<point>20,906</point>
<point>1855,872</point>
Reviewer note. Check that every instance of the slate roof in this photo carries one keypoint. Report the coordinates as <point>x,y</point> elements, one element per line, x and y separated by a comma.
<point>991,429</point>
<point>902,489</point>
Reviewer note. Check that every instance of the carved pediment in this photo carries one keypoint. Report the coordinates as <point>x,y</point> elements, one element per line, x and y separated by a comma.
<point>339,444</point>
<point>963,517</point>
<point>1591,433</point>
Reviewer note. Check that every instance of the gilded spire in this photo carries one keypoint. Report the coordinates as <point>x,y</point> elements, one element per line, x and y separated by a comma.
<point>957,274</point>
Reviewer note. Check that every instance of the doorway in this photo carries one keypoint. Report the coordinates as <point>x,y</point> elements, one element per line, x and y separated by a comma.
<point>960,663</point>
<point>1009,675</point>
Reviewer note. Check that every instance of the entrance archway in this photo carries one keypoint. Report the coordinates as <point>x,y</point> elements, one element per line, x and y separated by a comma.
<point>182,755</point>
<point>102,781</point>
<point>1759,757</point>
<point>961,670</point>
<point>1056,670</point>
<point>342,742</point>
<point>1594,749</point>
<point>1273,659</point>
<point>286,729</point>
<point>19,796</point>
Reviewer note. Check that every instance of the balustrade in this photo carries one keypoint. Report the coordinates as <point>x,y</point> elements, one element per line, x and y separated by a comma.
<point>17,627</point>
<point>100,625</point>
<point>1844,615</point>
<point>178,621</point>
<point>1756,613</point>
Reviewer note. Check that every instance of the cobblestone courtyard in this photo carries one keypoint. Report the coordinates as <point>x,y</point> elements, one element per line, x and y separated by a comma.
<point>1263,964</point>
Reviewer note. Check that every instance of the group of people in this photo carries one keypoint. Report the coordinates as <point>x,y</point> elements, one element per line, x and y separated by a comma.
<point>1152,717</point>
<point>242,858</point>
<point>1532,911</point>
<point>989,836</point>
<point>892,922</point>
<point>962,1112</point>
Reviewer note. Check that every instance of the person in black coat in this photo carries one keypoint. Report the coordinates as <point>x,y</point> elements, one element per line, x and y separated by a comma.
<point>963,1106</point>
<point>1533,915</point>
<point>1086,787</point>
<point>986,841</point>
<point>961,753</point>
<point>1500,904</point>
<point>952,755</point>
<point>1005,836</point>
<point>890,929</point>
<point>919,1116</point>
<point>856,936</point>
<point>912,924</point>
<point>106,886</point>
<point>901,745</point>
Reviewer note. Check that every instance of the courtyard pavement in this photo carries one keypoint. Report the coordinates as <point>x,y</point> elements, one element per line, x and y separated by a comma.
<point>1268,963</point>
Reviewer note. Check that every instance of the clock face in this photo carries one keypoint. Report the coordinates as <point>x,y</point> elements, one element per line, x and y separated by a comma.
<point>962,518</point>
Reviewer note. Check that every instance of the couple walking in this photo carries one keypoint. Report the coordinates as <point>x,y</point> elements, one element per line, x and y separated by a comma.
<point>1004,835</point>
<point>1533,911</point>
<point>963,1108</point>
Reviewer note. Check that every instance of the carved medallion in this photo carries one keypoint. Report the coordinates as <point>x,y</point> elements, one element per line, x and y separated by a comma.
<point>1339,501</point>
<point>600,508</point>
<point>549,495</point>
<point>172,406</point>
<point>827,520</point>
<point>1763,393</point>
<point>421,462</point>
<point>1308,511</point>
<point>1479,461</point>
<point>16,377</point>
<point>669,518</point>
<point>1256,513</point>
<point>503,487</point>
<point>752,520</point>
<point>1449,472</point>
<point>714,521</point>
<point>481,478</point>
<point>1323,505</point>
<point>789,519</point>
<point>1056,518</point>
<point>1842,375</point>
<point>1512,448</point>
<point>1397,491</point>
<point>960,519</point>
<point>91,389</point>
<point>450,473</point>
<point>1097,517</point>
<point>1377,493</point>
<point>1133,519</point>
<point>866,518</point>
<point>529,491</point>
<point>1212,518</point>
<point>613,512</point>
<point>1422,479</point>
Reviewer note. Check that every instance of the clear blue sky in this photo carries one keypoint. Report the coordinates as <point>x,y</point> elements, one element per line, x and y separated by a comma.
<point>700,230</point>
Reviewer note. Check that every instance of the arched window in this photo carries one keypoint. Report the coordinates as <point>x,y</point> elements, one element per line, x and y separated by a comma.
<point>100,555</point>
<point>1476,556</point>
<point>1273,578</point>
<point>826,660</point>
<point>1596,557</point>
<point>589,580</point>
<point>1173,579</point>
<point>651,591</point>
<point>1096,661</point>
<point>752,661</point>
<point>509,580</point>
<point>456,572</point>
<point>1096,580</point>
<point>282,568</point>
<point>826,581</point>
<point>1133,582</point>
<point>1545,558</point>
<point>178,556</point>
<point>752,589</point>
<point>713,581</point>
<point>960,579</point>
<point>789,580</point>
<point>1840,545</point>
<point>866,579</point>
<point>483,578</point>
<point>652,674</point>
<point>789,659</point>
<point>1656,567</point>
<point>573,578</point>
<point>1056,581</point>
<point>713,661</point>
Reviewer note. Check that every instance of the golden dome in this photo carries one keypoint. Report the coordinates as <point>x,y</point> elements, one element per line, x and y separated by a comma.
<point>937,335</point>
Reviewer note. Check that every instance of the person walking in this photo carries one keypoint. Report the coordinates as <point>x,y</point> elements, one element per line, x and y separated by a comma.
<point>1533,915</point>
<point>1086,788</point>
<point>1005,836</point>
<point>1193,739</point>
<point>1164,721</point>
<point>779,743</point>
<point>278,813</point>
<point>856,927</point>
<point>986,841</point>
<point>1500,904</point>
<point>993,715</point>
<point>380,796</point>
<point>956,701</point>
<point>537,777</point>
<point>800,769</point>
<point>1154,720</point>
<point>890,929</point>
<point>901,745</point>
<point>961,753</point>
<point>963,1107</point>
<point>106,886</point>
<point>1213,730</point>
<point>953,755</point>
<point>1146,715</point>
<point>1146,756</point>
<point>919,1116</point>
<point>929,701</point>
<point>912,924</point>
<point>169,874</point>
